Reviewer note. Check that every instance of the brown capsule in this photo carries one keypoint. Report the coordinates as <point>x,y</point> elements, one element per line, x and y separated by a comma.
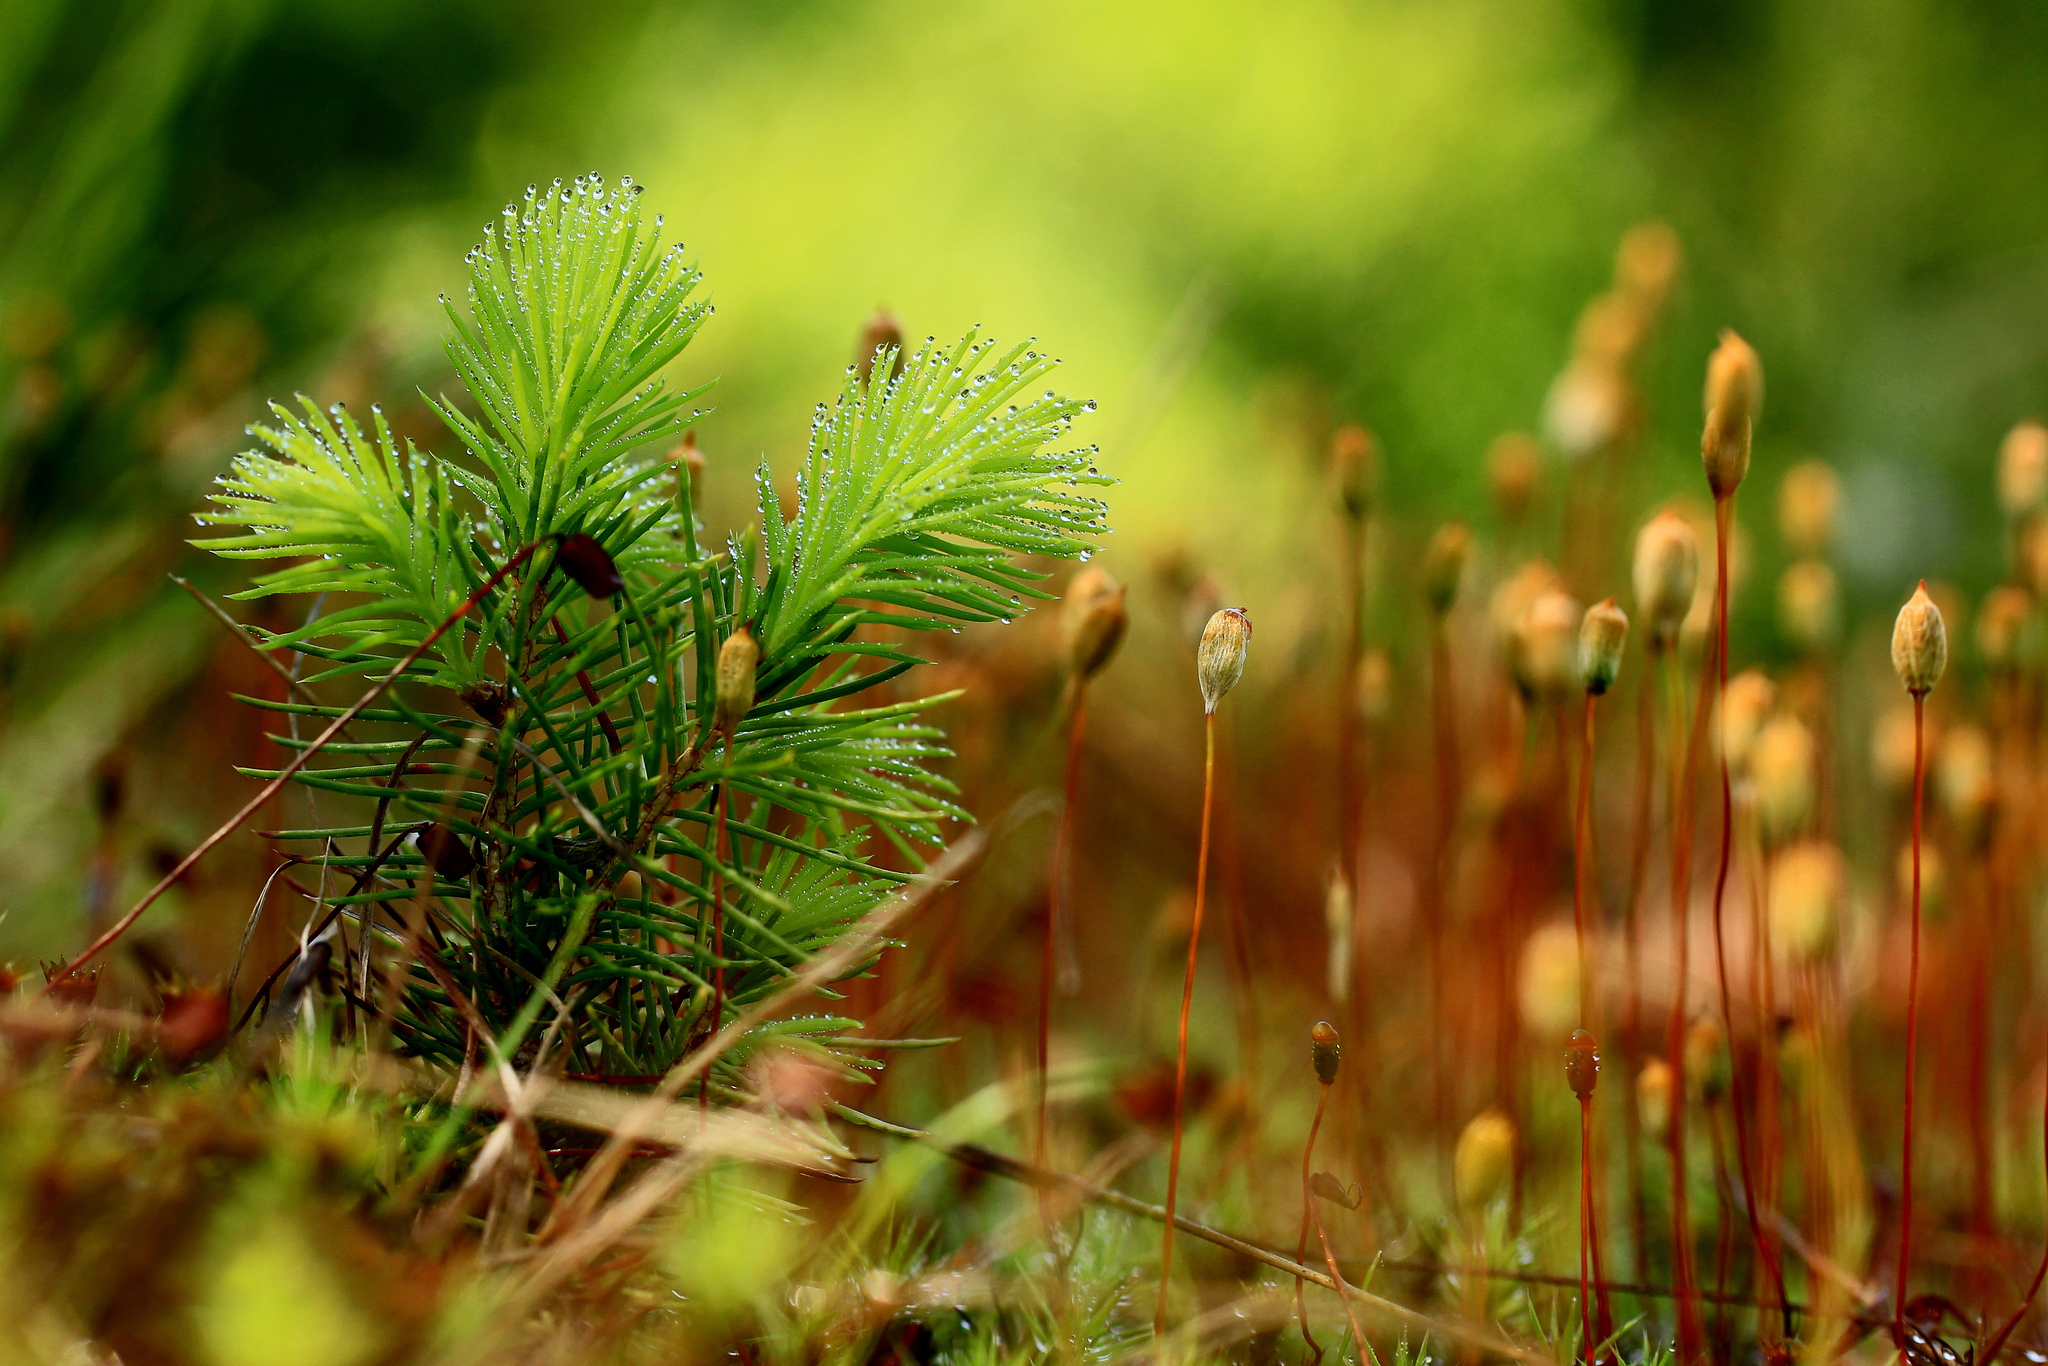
<point>1919,643</point>
<point>590,565</point>
<point>738,660</point>
<point>882,330</point>
<point>447,853</point>
<point>1735,389</point>
<point>78,987</point>
<point>1219,659</point>
<point>1096,619</point>
<point>1443,565</point>
<point>1582,1063</point>
<point>688,462</point>
<point>1324,1051</point>
<point>487,700</point>
<point>192,1023</point>
<point>1355,460</point>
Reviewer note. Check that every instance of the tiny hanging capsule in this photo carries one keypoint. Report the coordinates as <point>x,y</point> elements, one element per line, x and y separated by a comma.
<point>590,565</point>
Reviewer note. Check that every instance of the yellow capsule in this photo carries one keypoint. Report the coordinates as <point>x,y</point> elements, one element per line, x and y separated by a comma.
<point>1782,767</point>
<point>1706,1057</point>
<point>2005,628</point>
<point>1735,389</point>
<point>1602,634</point>
<point>2023,469</point>
<point>1355,460</point>
<point>1514,466</point>
<point>1666,574</point>
<point>1443,565</point>
<point>1810,607</point>
<point>1219,660</point>
<point>1653,1096</point>
<point>1546,645</point>
<point>738,658</point>
<point>1096,620</point>
<point>1745,703</point>
<point>1806,887</point>
<point>1483,1164</point>
<point>1919,643</point>
<point>1808,496</point>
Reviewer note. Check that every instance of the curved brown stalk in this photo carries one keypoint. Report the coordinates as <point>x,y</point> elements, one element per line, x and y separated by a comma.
<point>1307,1212</point>
<point>1581,858</point>
<point>1187,996</point>
<point>1997,1341</point>
<point>1343,1290</point>
<point>1058,913</point>
<point>1445,726</point>
<point>1724,509</point>
<point>1684,780</point>
<point>1912,1028</point>
<point>717,922</point>
<point>1594,1309</point>
<point>291,768</point>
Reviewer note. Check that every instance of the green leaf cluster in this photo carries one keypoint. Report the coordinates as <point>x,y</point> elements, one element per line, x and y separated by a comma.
<point>551,744</point>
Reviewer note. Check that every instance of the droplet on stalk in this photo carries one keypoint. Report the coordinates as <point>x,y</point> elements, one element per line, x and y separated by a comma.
<point>1582,1063</point>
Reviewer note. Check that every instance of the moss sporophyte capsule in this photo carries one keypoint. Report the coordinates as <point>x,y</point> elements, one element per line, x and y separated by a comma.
<point>1325,1051</point>
<point>1582,1063</point>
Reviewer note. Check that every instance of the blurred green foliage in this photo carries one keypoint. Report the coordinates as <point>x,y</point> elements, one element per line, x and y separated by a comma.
<point>1238,224</point>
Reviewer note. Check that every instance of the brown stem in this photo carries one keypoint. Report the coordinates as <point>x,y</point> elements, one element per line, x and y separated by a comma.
<point>1724,509</point>
<point>1301,1246</point>
<point>1912,1029</point>
<point>1187,996</point>
<point>1991,1348</point>
<point>1445,725</point>
<point>1632,1008</point>
<point>1587,1340</point>
<point>304,757</point>
<point>719,843</point>
<point>1684,782</point>
<point>1581,859</point>
<point>1056,916</point>
<point>1343,1290</point>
